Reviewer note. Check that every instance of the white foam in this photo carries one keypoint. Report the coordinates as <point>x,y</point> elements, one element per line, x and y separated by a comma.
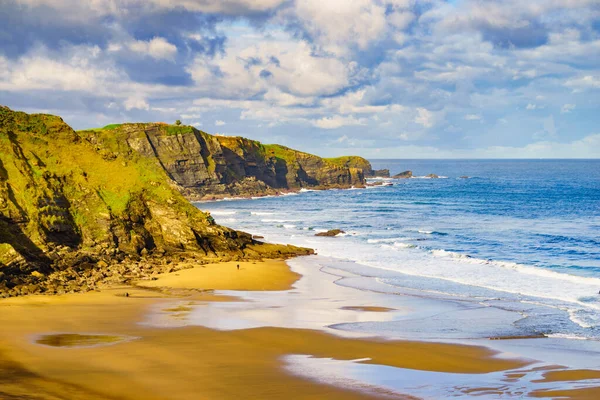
<point>223,212</point>
<point>387,240</point>
<point>565,336</point>
<point>261,213</point>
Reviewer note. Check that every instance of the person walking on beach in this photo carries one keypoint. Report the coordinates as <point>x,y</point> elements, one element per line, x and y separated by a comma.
<point>238,267</point>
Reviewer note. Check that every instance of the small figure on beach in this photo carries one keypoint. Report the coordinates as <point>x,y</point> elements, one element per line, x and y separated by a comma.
<point>238,267</point>
<point>127,294</point>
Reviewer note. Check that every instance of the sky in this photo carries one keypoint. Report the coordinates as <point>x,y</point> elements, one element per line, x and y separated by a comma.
<point>376,78</point>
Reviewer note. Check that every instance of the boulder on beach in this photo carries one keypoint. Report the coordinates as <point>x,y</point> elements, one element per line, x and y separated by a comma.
<point>330,233</point>
<point>403,175</point>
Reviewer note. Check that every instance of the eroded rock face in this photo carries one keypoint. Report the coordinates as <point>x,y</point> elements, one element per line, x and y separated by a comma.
<point>204,166</point>
<point>403,175</point>
<point>74,204</point>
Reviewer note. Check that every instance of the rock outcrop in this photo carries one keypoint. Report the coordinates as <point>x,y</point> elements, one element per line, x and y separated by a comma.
<point>360,163</point>
<point>330,233</point>
<point>206,166</point>
<point>78,208</point>
<point>403,175</point>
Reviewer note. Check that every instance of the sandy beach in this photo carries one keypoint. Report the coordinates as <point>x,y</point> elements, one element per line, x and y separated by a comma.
<point>140,360</point>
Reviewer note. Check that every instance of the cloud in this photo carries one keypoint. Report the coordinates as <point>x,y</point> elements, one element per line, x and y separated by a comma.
<point>136,103</point>
<point>335,24</point>
<point>219,122</point>
<point>338,121</point>
<point>424,117</point>
<point>294,71</point>
<point>158,48</point>
<point>100,8</point>
<point>232,7</point>
<point>38,71</point>
<point>582,83</point>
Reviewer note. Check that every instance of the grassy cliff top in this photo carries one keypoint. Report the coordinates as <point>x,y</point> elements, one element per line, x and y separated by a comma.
<point>351,162</point>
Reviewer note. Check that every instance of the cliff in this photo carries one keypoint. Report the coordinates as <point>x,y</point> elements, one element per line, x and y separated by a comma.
<point>81,208</point>
<point>360,163</point>
<point>205,166</point>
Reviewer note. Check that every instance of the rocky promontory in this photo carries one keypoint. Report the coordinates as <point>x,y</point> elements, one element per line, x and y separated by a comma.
<point>81,208</point>
<point>206,167</point>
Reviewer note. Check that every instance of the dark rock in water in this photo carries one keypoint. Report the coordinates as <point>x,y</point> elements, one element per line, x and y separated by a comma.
<point>377,173</point>
<point>403,175</point>
<point>330,233</point>
<point>433,176</point>
<point>464,177</point>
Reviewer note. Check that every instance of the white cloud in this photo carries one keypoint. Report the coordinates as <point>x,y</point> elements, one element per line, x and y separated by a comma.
<point>157,48</point>
<point>531,106</point>
<point>582,83</point>
<point>336,24</point>
<point>36,71</point>
<point>587,147</point>
<point>220,6</point>
<point>286,65</point>
<point>473,117</point>
<point>567,108</point>
<point>136,102</point>
<point>337,121</point>
<point>424,117</point>
<point>219,122</point>
<point>101,8</point>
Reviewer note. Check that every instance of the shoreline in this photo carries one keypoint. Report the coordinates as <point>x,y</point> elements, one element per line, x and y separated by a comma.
<point>186,361</point>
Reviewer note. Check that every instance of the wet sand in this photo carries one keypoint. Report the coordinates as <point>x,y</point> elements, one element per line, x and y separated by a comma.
<point>192,362</point>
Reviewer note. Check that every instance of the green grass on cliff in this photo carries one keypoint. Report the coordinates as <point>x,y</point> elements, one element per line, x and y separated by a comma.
<point>178,129</point>
<point>41,156</point>
<point>350,162</point>
<point>281,152</point>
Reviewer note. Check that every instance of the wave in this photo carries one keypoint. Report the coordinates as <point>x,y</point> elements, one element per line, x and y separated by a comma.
<point>424,232</point>
<point>223,212</point>
<point>388,240</point>
<point>261,213</point>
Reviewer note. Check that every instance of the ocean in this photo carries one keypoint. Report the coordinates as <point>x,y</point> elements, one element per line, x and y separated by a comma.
<point>517,235</point>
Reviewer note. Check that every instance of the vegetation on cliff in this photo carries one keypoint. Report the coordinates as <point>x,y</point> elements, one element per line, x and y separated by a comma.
<point>77,208</point>
<point>206,166</point>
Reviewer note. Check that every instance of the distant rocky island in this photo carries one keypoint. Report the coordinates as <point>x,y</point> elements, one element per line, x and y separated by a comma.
<point>81,209</point>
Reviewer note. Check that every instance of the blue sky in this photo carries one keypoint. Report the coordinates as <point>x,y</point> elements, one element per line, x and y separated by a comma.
<point>377,78</point>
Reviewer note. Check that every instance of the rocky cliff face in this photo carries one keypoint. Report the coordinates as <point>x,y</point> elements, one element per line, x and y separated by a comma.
<point>77,208</point>
<point>206,166</point>
<point>362,164</point>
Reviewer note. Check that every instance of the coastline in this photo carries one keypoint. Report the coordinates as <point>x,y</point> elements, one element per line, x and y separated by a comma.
<point>165,361</point>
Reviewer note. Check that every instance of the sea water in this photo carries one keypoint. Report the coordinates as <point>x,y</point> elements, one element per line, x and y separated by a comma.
<point>520,235</point>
